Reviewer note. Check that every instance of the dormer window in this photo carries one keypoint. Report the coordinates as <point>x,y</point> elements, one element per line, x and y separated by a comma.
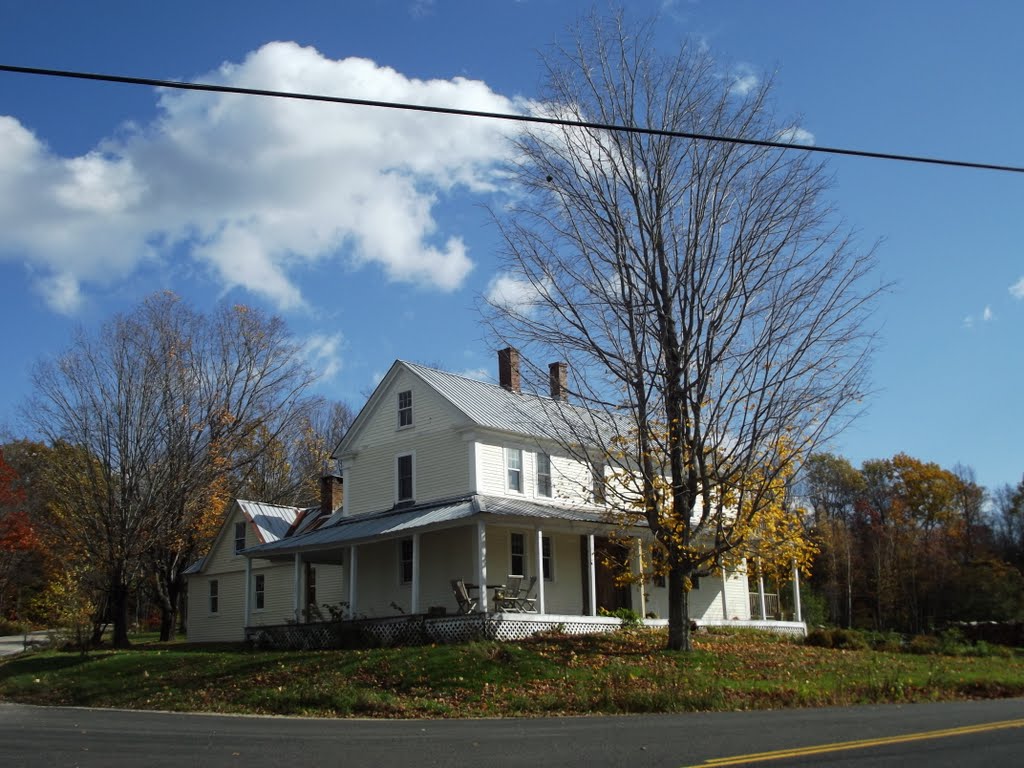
<point>405,409</point>
<point>239,537</point>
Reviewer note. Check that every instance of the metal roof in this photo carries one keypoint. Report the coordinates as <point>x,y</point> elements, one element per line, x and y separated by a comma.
<point>495,407</point>
<point>353,530</point>
<point>272,521</point>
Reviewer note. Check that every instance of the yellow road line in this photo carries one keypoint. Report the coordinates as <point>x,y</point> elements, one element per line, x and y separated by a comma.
<point>840,746</point>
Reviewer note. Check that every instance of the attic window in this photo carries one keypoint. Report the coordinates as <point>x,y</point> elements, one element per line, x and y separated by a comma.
<point>405,409</point>
<point>239,537</point>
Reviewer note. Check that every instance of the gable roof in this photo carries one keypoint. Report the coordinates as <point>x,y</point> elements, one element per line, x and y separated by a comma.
<point>272,521</point>
<point>491,406</point>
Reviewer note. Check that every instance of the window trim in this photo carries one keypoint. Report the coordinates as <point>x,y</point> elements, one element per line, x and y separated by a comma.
<point>240,540</point>
<point>213,597</point>
<point>512,554</point>
<point>547,558</point>
<point>399,499</point>
<point>404,410</point>
<point>550,486</point>
<point>259,591</point>
<point>403,562</point>
<point>509,452</point>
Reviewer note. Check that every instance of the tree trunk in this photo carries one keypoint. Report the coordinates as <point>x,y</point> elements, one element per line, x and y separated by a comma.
<point>119,613</point>
<point>678,611</point>
<point>169,601</point>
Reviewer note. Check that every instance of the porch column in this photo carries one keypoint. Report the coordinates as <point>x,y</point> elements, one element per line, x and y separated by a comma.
<point>640,573</point>
<point>297,579</point>
<point>415,586</point>
<point>248,592</point>
<point>725,599</point>
<point>760,589</point>
<point>540,571</point>
<point>796,593</point>
<point>481,564</point>
<point>591,574</point>
<point>353,570</point>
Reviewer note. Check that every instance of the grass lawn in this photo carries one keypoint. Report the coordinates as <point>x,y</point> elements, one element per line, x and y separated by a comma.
<point>619,673</point>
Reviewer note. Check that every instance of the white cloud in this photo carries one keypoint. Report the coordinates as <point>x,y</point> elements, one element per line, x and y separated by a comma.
<point>61,293</point>
<point>256,188</point>
<point>796,135</point>
<point>512,293</point>
<point>987,315</point>
<point>477,374</point>
<point>969,321</point>
<point>1017,289</point>
<point>323,353</point>
<point>744,80</point>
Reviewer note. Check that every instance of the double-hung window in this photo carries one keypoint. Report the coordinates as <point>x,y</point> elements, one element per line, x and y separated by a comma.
<point>517,555</point>
<point>239,537</point>
<point>514,467</point>
<point>404,485</point>
<point>214,596</point>
<point>259,591</point>
<point>310,584</point>
<point>547,566</point>
<point>543,475</point>
<point>405,561</point>
<point>405,409</point>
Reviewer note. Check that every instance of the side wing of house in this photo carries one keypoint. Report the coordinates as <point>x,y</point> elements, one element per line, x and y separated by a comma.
<point>217,591</point>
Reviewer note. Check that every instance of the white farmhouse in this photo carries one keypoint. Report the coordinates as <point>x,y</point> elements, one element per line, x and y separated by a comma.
<point>456,505</point>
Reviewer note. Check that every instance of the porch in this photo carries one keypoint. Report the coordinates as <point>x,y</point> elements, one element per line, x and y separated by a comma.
<point>394,575</point>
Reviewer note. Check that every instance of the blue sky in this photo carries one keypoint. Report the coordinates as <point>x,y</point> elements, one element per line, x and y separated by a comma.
<point>367,232</point>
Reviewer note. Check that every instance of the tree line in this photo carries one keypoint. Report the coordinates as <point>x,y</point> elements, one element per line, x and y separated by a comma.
<point>143,433</point>
<point>907,545</point>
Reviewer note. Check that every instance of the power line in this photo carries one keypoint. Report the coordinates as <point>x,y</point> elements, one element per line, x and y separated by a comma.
<point>183,86</point>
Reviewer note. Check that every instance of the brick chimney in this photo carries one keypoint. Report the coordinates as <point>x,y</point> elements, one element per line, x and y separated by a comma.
<point>558,376</point>
<point>332,494</point>
<point>508,369</point>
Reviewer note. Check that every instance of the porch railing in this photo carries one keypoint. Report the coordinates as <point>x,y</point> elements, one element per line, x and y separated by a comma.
<point>771,606</point>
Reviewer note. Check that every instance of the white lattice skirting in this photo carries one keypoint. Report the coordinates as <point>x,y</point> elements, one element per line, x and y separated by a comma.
<point>404,630</point>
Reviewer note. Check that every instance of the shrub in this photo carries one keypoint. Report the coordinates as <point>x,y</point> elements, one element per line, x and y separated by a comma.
<point>836,637</point>
<point>630,619</point>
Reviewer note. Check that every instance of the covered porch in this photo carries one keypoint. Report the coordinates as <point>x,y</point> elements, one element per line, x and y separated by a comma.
<point>399,569</point>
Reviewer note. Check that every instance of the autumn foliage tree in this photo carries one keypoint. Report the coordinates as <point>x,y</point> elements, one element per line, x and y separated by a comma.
<point>906,545</point>
<point>701,291</point>
<point>17,537</point>
<point>159,409</point>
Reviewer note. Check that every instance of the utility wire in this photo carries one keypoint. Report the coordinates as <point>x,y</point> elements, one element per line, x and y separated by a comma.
<point>183,86</point>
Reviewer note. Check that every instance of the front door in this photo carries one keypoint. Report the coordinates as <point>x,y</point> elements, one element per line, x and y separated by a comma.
<point>607,554</point>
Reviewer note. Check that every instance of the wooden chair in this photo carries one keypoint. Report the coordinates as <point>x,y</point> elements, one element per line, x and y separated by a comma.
<point>525,601</point>
<point>466,603</point>
<point>506,595</point>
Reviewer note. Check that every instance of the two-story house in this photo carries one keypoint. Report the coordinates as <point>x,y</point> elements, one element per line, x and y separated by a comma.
<point>445,479</point>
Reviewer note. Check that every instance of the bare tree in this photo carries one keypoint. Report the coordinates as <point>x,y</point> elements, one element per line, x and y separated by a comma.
<point>702,292</point>
<point>287,471</point>
<point>160,408</point>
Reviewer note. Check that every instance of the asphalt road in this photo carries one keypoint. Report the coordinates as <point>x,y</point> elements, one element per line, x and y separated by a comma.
<point>12,644</point>
<point>989,733</point>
